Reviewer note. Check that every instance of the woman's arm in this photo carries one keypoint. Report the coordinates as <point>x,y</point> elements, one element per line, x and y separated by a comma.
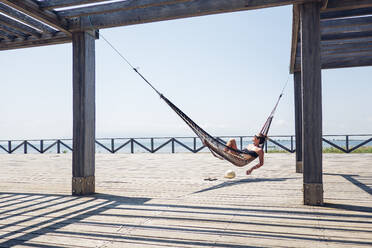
<point>261,159</point>
<point>260,163</point>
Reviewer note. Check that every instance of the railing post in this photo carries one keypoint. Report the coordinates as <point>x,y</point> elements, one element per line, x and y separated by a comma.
<point>152,145</point>
<point>41,146</point>
<point>25,147</point>
<point>131,146</point>
<point>58,146</point>
<point>241,143</point>
<point>172,145</point>
<point>292,143</point>
<point>9,146</point>
<point>113,145</point>
<point>266,146</point>
<point>194,144</point>
<point>347,143</point>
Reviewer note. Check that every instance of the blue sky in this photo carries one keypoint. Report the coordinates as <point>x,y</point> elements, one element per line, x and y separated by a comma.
<point>225,71</point>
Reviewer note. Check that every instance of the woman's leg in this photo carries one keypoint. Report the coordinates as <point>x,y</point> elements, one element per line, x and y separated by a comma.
<point>231,143</point>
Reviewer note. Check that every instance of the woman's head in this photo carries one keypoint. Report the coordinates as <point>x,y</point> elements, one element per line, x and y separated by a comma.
<point>259,139</point>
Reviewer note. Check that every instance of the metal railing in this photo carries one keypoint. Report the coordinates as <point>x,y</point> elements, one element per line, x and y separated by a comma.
<point>343,143</point>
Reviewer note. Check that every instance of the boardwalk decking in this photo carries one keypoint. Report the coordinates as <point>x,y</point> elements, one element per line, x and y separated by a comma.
<point>163,200</point>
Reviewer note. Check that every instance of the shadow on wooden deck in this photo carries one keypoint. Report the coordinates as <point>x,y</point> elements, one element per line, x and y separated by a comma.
<point>44,214</point>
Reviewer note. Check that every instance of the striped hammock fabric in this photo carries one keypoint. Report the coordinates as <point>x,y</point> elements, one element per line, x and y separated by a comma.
<point>217,146</point>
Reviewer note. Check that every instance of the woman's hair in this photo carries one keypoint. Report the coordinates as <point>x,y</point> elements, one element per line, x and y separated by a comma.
<point>261,138</point>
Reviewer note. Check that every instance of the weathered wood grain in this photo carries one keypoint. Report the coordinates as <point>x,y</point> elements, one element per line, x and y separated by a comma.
<point>295,35</point>
<point>32,9</point>
<point>341,45</point>
<point>337,5</point>
<point>83,185</point>
<point>19,26</point>
<point>52,4</point>
<point>114,7</point>
<point>25,18</point>
<point>13,31</point>
<point>175,11</point>
<point>341,62</point>
<point>83,157</point>
<point>347,30</point>
<point>298,119</point>
<point>347,49</point>
<point>162,200</point>
<point>58,38</point>
<point>346,13</point>
<point>347,22</point>
<point>343,36</point>
<point>325,43</point>
<point>312,103</point>
<point>348,52</point>
<point>345,62</point>
<point>6,35</point>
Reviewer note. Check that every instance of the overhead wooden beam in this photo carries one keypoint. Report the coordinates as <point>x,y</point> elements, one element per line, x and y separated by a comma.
<point>342,36</point>
<point>25,18</point>
<point>17,43</point>
<point>345,52</point>
<point>331,43</point>
<point>345,62</point>
<point>347,48</point>
<point>32,9</point>
<point>347,22</point>
<point>337,5</point>
<point>340,44</point>
<point>114,7</point>
<point>346,13</point>
<point>19,26</point>
<point>348,29</point>
<point>13,31</point>
<point>53,4</point>
<point>342,61</point>
<point>348,53</point>
<point>7,35</point>
<point>343,46</point>
<point>174,11</point>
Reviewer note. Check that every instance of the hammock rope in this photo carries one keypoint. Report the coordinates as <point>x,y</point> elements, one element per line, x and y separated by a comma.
<point>217,146</point>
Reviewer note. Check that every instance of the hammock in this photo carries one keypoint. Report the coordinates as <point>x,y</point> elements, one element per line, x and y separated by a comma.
<point>218,146</point>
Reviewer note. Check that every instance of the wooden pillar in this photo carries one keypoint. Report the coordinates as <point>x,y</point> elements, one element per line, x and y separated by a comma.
<point>83,156</point>
<point>298,119</point>
<point>311,104</point>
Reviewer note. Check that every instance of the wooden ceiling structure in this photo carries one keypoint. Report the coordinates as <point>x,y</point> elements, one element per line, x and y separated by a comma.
<point>28,23</point>
<point>346,25</point>
<point>326,34</point>
<point>346,35</point>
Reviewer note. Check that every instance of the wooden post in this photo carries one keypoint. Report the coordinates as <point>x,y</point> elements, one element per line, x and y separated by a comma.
<point>298,119</point>
<point>83,156</point>
<point>311,104</point>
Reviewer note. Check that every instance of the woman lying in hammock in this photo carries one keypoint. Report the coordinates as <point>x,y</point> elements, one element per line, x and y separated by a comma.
<point>251,151</point>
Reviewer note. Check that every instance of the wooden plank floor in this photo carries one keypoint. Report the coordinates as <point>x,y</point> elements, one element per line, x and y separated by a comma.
<point>163,200</point>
